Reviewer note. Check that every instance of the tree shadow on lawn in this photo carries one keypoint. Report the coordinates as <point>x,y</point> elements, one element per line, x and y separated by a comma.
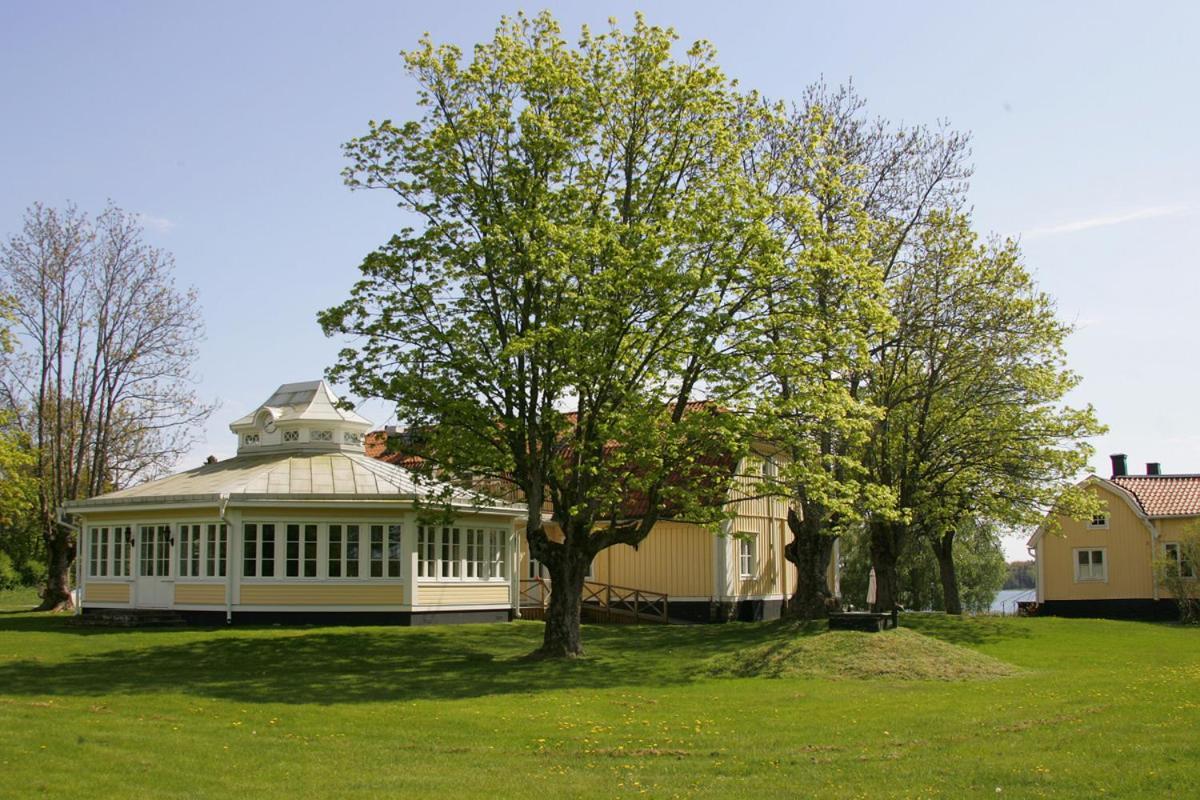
<point>356,665</point>
<point>970,631</point>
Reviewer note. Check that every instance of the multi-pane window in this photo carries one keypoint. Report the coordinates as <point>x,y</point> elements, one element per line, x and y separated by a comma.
<point>1090,565</point>
<point>450,553</point>
<point>451,564</point>
<point>745,557</point>
<point>301,551</point>
<point>537,570</point>
<point>311,550</point>
<point>155,552</point>
<point>109,552</point>
<point>395,551</point>
<point>1182,565</point>
<point>475,555</point>
<point>344,551</point>
<point>202,551</point>
<point>1099,520</point>
<point>189,551</point>
<point>258,550</point>
<point>216,544</point>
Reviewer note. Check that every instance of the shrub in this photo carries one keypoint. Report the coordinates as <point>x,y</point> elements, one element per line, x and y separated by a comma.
<point>1177,569</point>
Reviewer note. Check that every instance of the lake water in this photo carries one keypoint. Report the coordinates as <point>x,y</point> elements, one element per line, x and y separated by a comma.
<point>1006,600</point>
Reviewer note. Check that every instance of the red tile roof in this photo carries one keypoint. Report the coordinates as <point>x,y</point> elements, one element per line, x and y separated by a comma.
<point>1164,495</point>
<point>376,443</point>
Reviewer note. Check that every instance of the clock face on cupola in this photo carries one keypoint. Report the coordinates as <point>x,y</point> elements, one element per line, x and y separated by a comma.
<point>301,417</point>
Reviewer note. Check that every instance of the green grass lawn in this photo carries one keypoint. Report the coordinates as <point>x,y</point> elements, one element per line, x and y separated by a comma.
<point>1096,708</point>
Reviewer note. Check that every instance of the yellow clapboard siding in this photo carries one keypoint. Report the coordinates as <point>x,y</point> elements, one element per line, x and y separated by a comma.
<point>106,593</point>
<point>461,594</point>
<point>1127,545</point>
<point>675,559</point>
<point>321,594</point>
<point>767,569</point>
<point>200,594</point>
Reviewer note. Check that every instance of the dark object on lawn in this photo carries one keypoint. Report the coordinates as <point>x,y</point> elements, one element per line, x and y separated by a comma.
<point>869,621</point>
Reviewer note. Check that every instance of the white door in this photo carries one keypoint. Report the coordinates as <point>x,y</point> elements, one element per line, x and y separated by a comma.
<point>155,589</point>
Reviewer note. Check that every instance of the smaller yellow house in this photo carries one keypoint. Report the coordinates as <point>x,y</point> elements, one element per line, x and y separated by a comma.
<point>1104,567</point>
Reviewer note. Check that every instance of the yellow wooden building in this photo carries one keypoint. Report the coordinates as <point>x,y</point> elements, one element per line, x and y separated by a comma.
<point>300,525</point>
<point>682,571</point>
<point>1104,567</point>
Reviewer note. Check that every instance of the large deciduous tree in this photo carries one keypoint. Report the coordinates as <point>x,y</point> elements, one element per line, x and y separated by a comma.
<point>587,248</point>
<point>100,376</point>
<point>812,336</point>
<point>972,389</point>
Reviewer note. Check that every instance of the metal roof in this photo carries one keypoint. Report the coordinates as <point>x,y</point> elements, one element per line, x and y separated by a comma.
<point>310,400</point>
<point>291,476</point>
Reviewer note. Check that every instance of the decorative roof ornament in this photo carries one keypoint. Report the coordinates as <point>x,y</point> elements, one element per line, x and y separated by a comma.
<point>302,417</point>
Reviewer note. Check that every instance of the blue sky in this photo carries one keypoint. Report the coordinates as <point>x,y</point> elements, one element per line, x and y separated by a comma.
<point>222,122</point>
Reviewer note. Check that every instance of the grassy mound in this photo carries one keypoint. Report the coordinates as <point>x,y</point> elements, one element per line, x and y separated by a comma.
<point>900,654</point>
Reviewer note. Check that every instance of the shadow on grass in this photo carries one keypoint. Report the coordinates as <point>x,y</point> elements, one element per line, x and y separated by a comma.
<point>969,631</point>
<point>353,665</point>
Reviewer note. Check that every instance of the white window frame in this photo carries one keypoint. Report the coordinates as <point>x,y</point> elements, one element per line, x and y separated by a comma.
<point>1173,547</point>
<point>110,553</point>
<point>1098,526</point>
<point>1090,577</point>
<point>747,556</point>
<point>462,554</point>
<point>201,550</point>
<point>361,561</point>
<point>390,538</point>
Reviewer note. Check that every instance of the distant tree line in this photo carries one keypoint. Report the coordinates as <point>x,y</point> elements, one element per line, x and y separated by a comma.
<point>1021,575</point>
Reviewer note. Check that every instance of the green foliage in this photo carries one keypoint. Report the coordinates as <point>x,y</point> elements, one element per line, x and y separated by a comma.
<point>589,240</point>
<point>972,389</point>
<point>978,560</point>
<point>1021,575</point>
<point>1177,570</point>
<point>10,578</point>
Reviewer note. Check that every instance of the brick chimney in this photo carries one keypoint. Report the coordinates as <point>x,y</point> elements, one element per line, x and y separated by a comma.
<point>1118,465</point>
<point>1153,468</point>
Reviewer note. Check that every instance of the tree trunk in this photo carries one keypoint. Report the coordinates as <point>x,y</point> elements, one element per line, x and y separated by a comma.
<point>810,551</point>
<point>561,638</point>
<point>943,548</point>
<point>886,542</point>
<point>60,555</point>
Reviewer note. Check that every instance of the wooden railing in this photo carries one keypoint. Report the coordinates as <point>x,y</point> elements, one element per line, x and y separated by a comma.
<point>602,602</point>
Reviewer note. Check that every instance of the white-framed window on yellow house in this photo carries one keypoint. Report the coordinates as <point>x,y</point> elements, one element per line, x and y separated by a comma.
<point>770,468</point>
<point>1091,565</point>
<point>300,550</point>
<point>258,550</point>
<point>1099,521</point>
<point>450,553</point>
<point>202,550</point>
<point>1184,567</point>
<point>110,551</point>
<point>385,552</point>
<point>216,550</point>
<point>345,549</point>
<point>746,558</point>
<point>317,551</point>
